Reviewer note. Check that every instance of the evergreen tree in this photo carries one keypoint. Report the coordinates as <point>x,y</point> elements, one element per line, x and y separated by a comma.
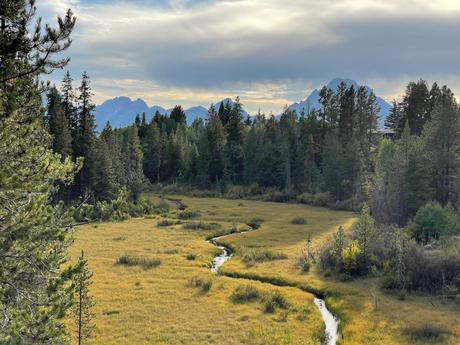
<point>34,293</point>
<point>82,310</point>
<point>178,115</point>
<point>68,104</point>
<point>133,159</point>
<point>58,125</point>
<point>233,153</point>
<point>415,180</point>
<point>394,116</point>
<point>103,181</point>
<point>442,145</point>
<point>151,149</point>
<point>415,107</point>
<point>86,137</point>
<point>216,141</point>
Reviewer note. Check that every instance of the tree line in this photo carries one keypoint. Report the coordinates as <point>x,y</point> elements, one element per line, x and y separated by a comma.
<point>337,150</point>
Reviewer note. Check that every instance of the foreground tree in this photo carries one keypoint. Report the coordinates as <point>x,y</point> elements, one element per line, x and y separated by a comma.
<point>34,289</point>
<point>84,303</point>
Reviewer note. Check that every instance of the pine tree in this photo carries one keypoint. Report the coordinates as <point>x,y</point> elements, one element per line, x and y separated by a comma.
<point>152,152</point>
<point>216,141</point>
<point>442,145</point>
<point>393,117</point>
<point>68,104</point>
<point>178,115</point>
<point>58,125</point>
<point>113,145</point>
<point>86,136</point>
<point>415,107</point>
<point>233,153</point>
<point>82,310</point>
<point>103,179</point>
<point>415,179</point>
<point>133,159</point>
<point>34,234</point>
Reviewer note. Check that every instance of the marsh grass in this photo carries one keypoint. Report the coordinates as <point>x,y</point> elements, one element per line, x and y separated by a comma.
<point>255,223</point>
<point>298,221</point>
<point>201,226</point>
<point>145,263</point>
<point>245,294</point>
<point>188,214</point>
<point>427,331</point>
<point>253,256</point>
<point>168,222</point>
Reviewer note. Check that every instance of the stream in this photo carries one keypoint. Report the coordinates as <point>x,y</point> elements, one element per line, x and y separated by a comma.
<point>330,321</point>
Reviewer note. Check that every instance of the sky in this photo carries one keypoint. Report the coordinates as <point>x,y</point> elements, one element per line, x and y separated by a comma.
<point>269,52</point>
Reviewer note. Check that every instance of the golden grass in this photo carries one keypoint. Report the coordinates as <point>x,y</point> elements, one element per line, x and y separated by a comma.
<point>363,321</point>
<point>155,306</point>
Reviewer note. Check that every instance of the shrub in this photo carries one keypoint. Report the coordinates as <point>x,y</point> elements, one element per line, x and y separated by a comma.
<point>351,256</point>
<point>245,294</point>
<point>318,199</point>
<point>432,221</point>
<point>163,206</point>
<point>191,256</point>
<point>254,256</point>
<point>269,306</point>
<point>145,263</point>
<point>298,221</point>
<point>206,286</point>
<point>255,223</point>
<point>188,214</point>
<point>201,226</point>
<point>428,331</point>
<point>275,300</point>
<point>168,222</point>
<point>195,282</point>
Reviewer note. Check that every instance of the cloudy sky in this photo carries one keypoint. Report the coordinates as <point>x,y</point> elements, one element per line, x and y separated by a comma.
<point>269,52</point>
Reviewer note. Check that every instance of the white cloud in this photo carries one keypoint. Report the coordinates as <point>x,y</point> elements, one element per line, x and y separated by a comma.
<point>270,51</point>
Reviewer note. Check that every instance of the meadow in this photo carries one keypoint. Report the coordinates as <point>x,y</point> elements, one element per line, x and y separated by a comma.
<point>179,301</point>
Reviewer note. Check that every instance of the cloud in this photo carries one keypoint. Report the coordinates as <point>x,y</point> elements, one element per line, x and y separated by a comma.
<point>272,52</point>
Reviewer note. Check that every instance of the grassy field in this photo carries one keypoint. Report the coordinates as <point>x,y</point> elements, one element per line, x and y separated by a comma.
<point>157,306</point>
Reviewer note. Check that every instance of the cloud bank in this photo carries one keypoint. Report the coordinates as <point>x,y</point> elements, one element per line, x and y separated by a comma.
<point>269,52</point>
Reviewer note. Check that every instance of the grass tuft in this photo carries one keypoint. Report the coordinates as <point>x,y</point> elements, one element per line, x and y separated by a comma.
<point>245,294</point>
<point>201,226</point>
<point>427,331</point>
<point>298,221</point>
<point>251,257</point>
<point>127,260</point>
<point>255,223</point>
<point>168,222</point>
<point>188,214</point>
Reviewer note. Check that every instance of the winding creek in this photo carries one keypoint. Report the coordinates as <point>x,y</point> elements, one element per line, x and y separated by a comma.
<point>330,321</point>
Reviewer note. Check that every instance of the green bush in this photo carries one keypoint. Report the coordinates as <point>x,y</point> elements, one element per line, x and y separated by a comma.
<point>191,256</point>
<point>433,221</point>
<point>255,223</point>
<point>188,214</point>
<point>298,221</point>
<point>206,286</point>
<point>427,331</point>
<point>127,260</point>
<point>245,294</point>
<point>168,222</point>
<point>201,226</point>
<point>251,257</point>
<point>318,199</point>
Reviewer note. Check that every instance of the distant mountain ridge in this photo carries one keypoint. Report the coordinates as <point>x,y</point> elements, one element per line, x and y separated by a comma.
<point>121,111</point>
<point>312,101</point>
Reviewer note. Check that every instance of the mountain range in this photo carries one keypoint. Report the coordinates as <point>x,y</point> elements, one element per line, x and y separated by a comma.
<point>312,101</point>
<point>121,111</point>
